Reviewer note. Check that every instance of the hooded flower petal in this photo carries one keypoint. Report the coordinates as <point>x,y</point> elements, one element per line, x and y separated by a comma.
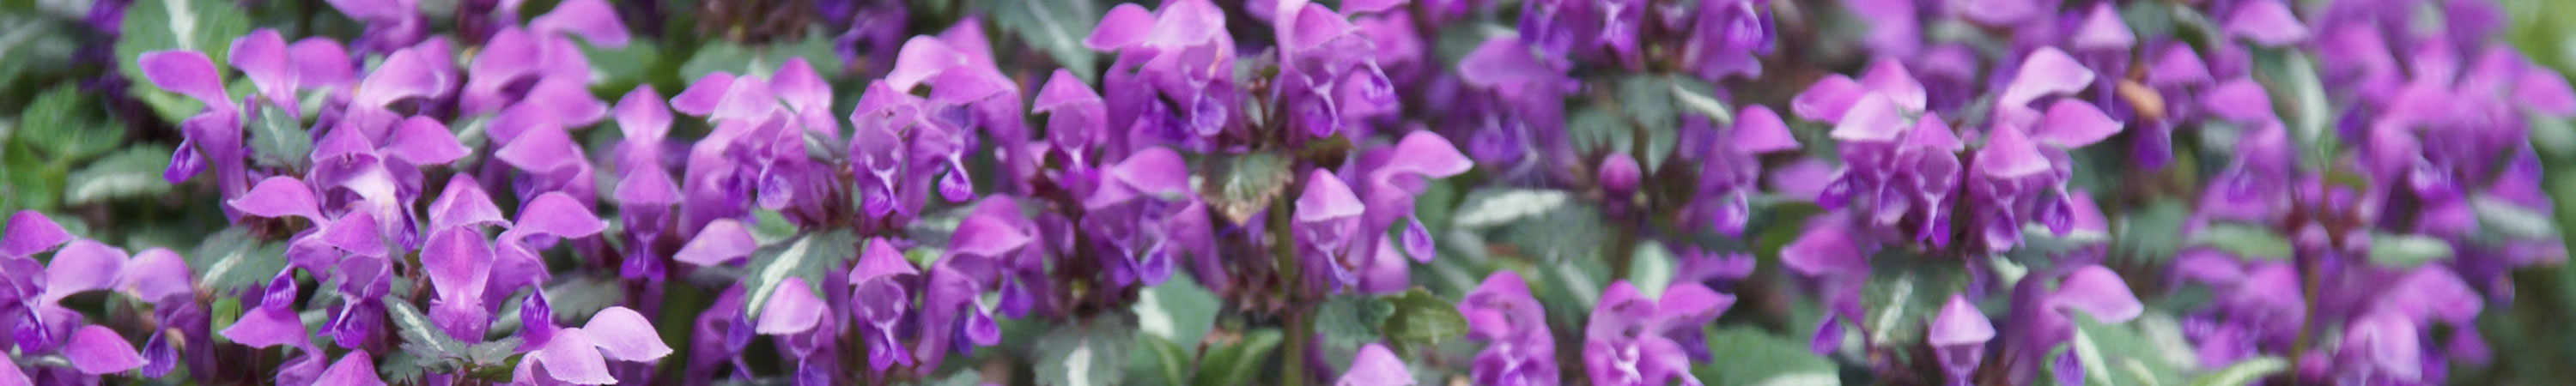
<point>623,334</point>
<point>723,241</point>
<point>591,19</point>
<point>2073,124</point>
<point>264,327</point>
<point>1326,198</point>
<point>279,197</point>
<point>424,141</point>
<point>82,266</point>
<point>2010,154</point>
<point>1759,130</point>
<point>2240,100</point>
<point>1375,366</point>
<point>2097,291</point>
<point>458,261</point>
<point>2266,22</point>
<point>98,350</point>
<point>155,275</point>
<point>557,214</point>
<point>702,95</point>
<point>573,356</point>
<point>29,233</point>
<point>2045,72</point>
<point>642,116</point>
<point>463,203</point>
<point>187,73</point>
<point>793,308</point>
<point>355,369</point>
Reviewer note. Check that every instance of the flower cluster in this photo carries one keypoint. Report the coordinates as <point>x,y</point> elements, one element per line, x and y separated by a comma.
<point>1361,192</point>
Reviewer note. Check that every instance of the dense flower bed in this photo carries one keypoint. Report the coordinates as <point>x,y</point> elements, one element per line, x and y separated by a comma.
<point>1227,192</point>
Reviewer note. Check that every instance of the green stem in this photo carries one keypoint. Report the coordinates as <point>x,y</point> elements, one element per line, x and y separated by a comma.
<point>1283,250</point>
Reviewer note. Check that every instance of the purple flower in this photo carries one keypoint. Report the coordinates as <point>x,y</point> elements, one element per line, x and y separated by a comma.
<point>881,297</point>
<point>1519,348</point>
<point>1629,340</point>
<point>1958,337</point>
<point>1172,82</point>
<point>579,355</point>
<point>1375,366</point>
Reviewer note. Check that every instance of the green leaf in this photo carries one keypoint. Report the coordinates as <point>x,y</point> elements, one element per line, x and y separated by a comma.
<point>2244,241</point>
<point>1753,357</point>
<point>206,26</point>
<point>1348,322</point>
<point>579,296</point>
<point>808,257</point>
<point>134,172</point>
<point>1236,364</point>
<point>420,337</point>
<point>1422,319</point>
<point>625,65</point>
<point>1055,27</point>
<point>1238,186</point>
<point>2147,235</point>
<point>1089,355</point>
<point>1651,268</point>
<point>232,260</point>
<point>2406,251</point>
<point>2511,221</point>
<point>1574,232</point>
<point>1487,208</point>
<point>59,123</point>
<point>402,368</point>
<point>1903,291</point>
<point>1179,310</point>
<point>1161,362</point>
<point>2114,354</point>
<point>2244,372</point>
<point>723,56</point>
<point>961,378</point>
<point>279,140</point>
<point>29,181</point>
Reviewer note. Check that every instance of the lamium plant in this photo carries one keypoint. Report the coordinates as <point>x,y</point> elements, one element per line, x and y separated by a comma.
<point>1287,192</point>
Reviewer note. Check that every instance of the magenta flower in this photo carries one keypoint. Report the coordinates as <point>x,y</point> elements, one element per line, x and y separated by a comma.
<point>1629,340</point>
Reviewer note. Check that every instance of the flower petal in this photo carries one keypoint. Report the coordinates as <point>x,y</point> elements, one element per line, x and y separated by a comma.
<point>2240,100</point>
<point>572,356</point>
<point>1125,24</point>
<point>463,203</point>
<point>1960,323</point>
<point>724,240</point>
<point>263,327</point>
<point>793,308</point>
<point>2010,154</point>
<point>2045,72</point>
<point>1828,99</point>
<point>423,141</point>
<point>590,19</point>
<point>1325,198</point>
<point>458,261</point>
<point>625,335</point>
<point>29,233</point>
<point>1873,118</point>
<point>542,149</point>
<point>187,73</point>
<point>1375,366</point>
<point>2073,124</point>
<point>81,266</point>
<point>1759,130</point>
<point>2267,23</point>
<point>155,275</point>
<point>279,197</point>
<point>98,350</point>
<point>2097,291</point>
<point>879,259</point>
<point>647,185</point>
<point>354,369</point>
<point>557,214</point>
<point>2103,31</point>
<point>702,95</point>
<point>1888,77</point>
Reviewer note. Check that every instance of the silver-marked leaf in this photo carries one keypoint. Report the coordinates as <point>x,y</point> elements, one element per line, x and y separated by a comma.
<point>1421,320</point>
<point>1489,208</point>
<point>206,26</point>
<point>1179,310</point>
<point>807,257</point>
<point>420,337</point>
<point>134,172</point>
<point>1055,27</point>
<point>2244,241</point>
<point>1754,357</point>
<point>279,140</point>
<point>1238,186</point>
<point>2406,251</point>
<point>1236,364</point>
<point>1093,354</point>
<point>233,259</point>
